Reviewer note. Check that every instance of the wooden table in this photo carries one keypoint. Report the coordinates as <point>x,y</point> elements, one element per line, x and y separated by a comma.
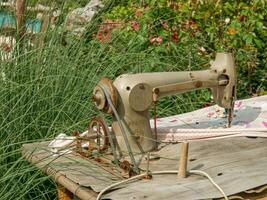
<point>238,165</point>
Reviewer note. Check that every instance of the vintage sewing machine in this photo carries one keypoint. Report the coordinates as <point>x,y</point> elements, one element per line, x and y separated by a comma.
<point>130,96</point>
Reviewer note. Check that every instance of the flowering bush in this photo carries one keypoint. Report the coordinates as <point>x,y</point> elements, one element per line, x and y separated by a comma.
<point>200,28</point>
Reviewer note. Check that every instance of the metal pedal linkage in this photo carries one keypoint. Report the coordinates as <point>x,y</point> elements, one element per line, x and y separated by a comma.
<point>136,169</point>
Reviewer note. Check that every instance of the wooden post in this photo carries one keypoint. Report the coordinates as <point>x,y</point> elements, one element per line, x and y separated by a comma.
<point>63,193</point>
<point>183,160</point>
<point>45,24</point>
<point>20,15</point>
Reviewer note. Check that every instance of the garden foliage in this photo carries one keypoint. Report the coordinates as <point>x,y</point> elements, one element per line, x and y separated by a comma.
<point>200,28</point>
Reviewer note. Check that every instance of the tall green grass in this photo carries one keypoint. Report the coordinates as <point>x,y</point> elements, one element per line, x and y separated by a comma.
<point>48,90</point>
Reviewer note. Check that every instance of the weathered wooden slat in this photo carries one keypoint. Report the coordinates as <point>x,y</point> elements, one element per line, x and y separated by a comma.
<point>85,172</point>
<point>236,165</point>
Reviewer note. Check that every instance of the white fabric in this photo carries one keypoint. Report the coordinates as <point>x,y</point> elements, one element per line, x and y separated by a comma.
<point>250,119</point>
<point>62,143</point>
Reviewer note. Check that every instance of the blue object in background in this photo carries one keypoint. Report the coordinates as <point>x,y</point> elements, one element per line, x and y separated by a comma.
<point>34,25</point>
<point>8,20</point>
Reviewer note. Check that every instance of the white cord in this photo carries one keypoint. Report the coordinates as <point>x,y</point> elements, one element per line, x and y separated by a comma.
<point>198,172</point>
<point>118,183</point>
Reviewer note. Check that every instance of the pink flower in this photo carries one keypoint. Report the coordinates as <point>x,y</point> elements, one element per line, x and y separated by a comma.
<point>135,25</point>
<point>157,40</point>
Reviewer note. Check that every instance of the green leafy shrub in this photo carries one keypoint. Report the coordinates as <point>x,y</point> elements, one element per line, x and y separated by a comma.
<point>200,28</point>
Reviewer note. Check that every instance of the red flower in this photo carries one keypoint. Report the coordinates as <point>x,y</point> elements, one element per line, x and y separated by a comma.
<point>104,36</point>
<point>99,36</point>
<point>105,29</point>
<point>175,36</point>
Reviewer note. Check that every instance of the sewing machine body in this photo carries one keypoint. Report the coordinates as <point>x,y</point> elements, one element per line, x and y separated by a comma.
<point>133,94</point>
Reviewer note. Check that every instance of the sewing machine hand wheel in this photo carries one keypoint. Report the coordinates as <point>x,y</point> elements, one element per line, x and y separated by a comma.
<point>98,127</point>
